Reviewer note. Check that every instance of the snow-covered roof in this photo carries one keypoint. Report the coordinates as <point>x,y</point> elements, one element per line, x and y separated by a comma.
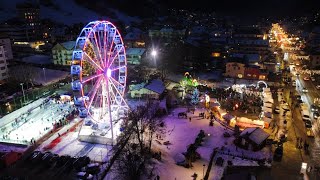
<point>69,44</point>
<point>137,86</point>
<point>135,51</point>
<point>255,134</point>
<point>37,59</point>
<point>156,85</point>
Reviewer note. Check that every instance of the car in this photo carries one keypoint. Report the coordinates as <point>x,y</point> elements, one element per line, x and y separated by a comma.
<point>84,175</point>
<point>308,124</point>
<point>306,78</point>
<point>285,107</point>
<point>318,87</point>
<point>297,74</point>
<point>36,157</point>
<point>313,78</point>
<point>315,115</point>
<point>298,97</point>
<point>291,63</point>
<point>93,168</point>
<point>276,110</point>
<point>277,156</point>
<point>62,160</point>
<point>294,83</point>
<point>304,90</point>
<point>297,64</point>
<point>309,132</point>
<point>81,162</point>
<point>314,108</point>
<point>306,118</point>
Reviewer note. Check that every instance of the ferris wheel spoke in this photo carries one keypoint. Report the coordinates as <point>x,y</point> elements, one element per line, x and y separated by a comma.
<point>118,68</point>
<point>92,62</point>
<point>98,48</point>
<point>105,42</point>
<point>109,53</point>
<point>122,99</point>
<point>91,78</point>
<point>115,81</point>
<point>115,57</point>
<point>95,88</point>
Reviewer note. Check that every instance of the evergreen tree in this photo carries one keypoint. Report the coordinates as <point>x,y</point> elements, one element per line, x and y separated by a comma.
<point>195,97</point>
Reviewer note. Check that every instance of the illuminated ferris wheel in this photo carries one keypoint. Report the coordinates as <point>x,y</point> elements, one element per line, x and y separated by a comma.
<point>99,71</point>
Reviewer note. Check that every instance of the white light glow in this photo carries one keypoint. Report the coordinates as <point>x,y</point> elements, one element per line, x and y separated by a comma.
<point>109,73</point>
<point>154,53</point>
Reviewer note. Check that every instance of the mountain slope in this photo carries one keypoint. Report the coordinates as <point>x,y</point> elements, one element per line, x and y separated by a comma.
<point>64,11</point>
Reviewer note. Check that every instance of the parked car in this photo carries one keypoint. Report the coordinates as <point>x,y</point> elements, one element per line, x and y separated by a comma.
<point>93,168</point>
<point>308,124</point>
<point>306,78</point>
<point>315,115</point>
<point>81,162</point>
<point>276,110</point>
<point>277,156</point>
<point>62,160</point>
<point>313,78</point>
<point>84,175</point>
<point>318,87</point>
<point>36,157</point>
<point>314,108</point>
<point>304,90</point>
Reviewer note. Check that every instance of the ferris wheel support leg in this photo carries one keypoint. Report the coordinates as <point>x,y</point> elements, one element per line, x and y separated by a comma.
<point>109,108</point>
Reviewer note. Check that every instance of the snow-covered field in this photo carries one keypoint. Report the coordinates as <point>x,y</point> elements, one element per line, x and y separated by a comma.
<point>182,132</point>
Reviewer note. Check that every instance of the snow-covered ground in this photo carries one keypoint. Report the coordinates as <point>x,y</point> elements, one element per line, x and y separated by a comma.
<point>43,75</point>
<point>37,59</point>
<point>35,124</point>
<point>182,132</point>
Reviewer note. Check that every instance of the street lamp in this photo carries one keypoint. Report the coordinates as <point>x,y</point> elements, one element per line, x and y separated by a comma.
<point>24,97</point>
<point>203,171</point>
<point>44,74</point>
<point>154,54</point>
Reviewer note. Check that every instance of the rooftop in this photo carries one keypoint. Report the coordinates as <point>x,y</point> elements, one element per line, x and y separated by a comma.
<point>255,134</point>
<point>69,45</point>
<point>135,51</point>
<point>156,85</point>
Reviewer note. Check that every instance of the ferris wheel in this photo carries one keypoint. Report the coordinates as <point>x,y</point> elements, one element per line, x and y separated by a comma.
<point>99,71</point>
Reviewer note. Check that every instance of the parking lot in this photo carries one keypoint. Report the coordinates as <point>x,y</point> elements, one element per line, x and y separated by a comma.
<point>47,165</point>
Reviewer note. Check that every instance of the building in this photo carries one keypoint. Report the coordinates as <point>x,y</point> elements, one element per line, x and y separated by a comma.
<point>232,172</point>
<point>240,70</point>
<point>14,32</point>
<point>62,53</point>
<point>29,13</point>
<point>153,90</point>
<point>134,40</point>
<point>249,41</point>
<point>235,70</point>
<point>6,43</point>
<point>3,64</point>
<point>315,60</point>
<point>167,33</point>
<point>135,55</point>
<point>253,138</point>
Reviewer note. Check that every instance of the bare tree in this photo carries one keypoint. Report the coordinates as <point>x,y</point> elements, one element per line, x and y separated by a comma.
<point>137,152</point>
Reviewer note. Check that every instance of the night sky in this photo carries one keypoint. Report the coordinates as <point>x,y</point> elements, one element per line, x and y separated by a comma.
<point>250,7</point>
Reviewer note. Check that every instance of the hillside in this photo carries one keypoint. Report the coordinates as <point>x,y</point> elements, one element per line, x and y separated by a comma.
<point>66,12</point>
